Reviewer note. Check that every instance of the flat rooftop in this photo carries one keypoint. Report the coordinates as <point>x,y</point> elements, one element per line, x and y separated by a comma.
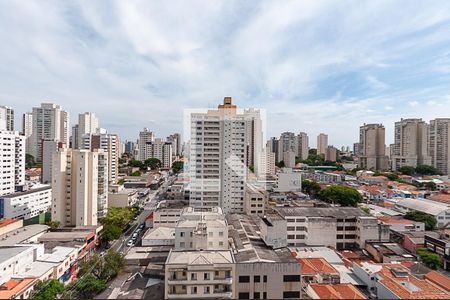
<point>336,212</point>
<point>248,245</point>
<point>31,191</point>
<point>198,258</point>
<point>22,234</point>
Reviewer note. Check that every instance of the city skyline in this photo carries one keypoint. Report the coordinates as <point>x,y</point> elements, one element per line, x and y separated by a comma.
<point>330,77</point>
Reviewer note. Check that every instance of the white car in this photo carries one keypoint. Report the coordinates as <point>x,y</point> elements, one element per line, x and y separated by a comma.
<point>130,243</point>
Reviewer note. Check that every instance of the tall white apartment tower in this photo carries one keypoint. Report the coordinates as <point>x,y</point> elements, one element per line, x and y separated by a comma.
<point>27,130</point>
<point>439,143</point>
<point>50,122</point>
<point>410,144</point>
<point>322,144</point>
<point>217,157</point>
<point>145,136</point>
<point>87,123</point>
<point>372,148</point>
<point>6,118</point>
<point>302,146</point>
<point>75,187</point>
<point>12,162</point>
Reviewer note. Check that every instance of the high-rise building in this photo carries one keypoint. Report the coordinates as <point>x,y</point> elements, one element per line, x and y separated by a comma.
<point>217,157</point>
<point>177,145</point>
<point>110,144</point>
<point>372,147</point>
<point>302,146</point>
<point>322,144</point>
<point>27,130</point>
<point>50,122</point>
<point>439,143</point>
<point>254,135</point>
<point>274,146</point>
<point>48,148</point>
<point>12,162</point>
<point>267,163</point>
<point>75,187</point>
<point>74,143</point>
<point>287,142</point>
<point>145,137</point>
<point>129,147</point>
<point>410,144</point>
<point>6,118</point>
<point>331,153</point>
<point>160,150</point>
<point>289,159</point>
<point>87,124</point>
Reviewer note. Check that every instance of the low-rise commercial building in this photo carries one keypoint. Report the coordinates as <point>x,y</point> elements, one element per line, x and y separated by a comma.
<point>168,212</point>
<point>254,200</point>
<point>160,236</point>
<point>439,243</point>
<point>26,205</point>
<point>288,181</point>
<point>338,227</point>
<point>440,211</point>
<point>123,198</point>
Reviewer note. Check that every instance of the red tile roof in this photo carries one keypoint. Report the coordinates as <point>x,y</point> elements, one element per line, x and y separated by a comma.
<point>337,291</point>
<point>439,280</point>
<point>13,287</point>
<point>316,266</point>
<point>6,222</point>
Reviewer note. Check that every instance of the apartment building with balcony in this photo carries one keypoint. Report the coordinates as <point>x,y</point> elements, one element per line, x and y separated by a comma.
<point>200,275</point>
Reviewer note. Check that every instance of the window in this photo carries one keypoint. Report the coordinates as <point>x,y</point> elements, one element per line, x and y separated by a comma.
<point>206,290</point>
<point>182,234</point>
<point>206,276</point>
<point>291,278</point>
<point>256,295</point>
<point>257,278</point>
<point>244,296</point>
<point>340,236</point>
<point>182,245</point>
<point>265,278</point>
<point>193,290</point>
<point>216,273</point>
<point>264,295</point>
<point>193,276</point>
<point>287,295</point>
<point>220,243</point>
<point>244,279</point>
<point>220,233</point>
<point>290,228</point>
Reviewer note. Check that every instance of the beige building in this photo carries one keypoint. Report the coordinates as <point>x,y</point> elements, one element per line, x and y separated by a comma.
<point>439,143</point>
<point>331,153</point>
<point>289,159</point>
<point>87,124</point>
<point>410,146</point>
<point>372,148</point>
<point>255,200</point>
<point>302,145</point>
<point>145,136</point>
<point>200,275</point>
<point>322,144</point>
<point>50,122</point>
<point>160,150</point>
<point>75,187</point>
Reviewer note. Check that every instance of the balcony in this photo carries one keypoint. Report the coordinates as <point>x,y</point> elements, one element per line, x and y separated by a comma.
<point>224,295</point>
<point>200,281</point>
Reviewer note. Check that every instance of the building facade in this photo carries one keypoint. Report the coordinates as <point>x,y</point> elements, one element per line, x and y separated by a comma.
<point>322,144</point>
<point>12,162</point>
<point>372,147</point>
<point>439,144</point>
<point>145,137</point>
<point>26,205</point>
<point>6,118</point>
<point>302,146</point>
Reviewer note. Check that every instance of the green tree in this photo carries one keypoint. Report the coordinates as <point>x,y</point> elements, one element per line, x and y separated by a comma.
<point>432,260</point>
<point>89,286</point>
<point>407,170</point>
<point>343,195</point>
<point>48,290</point>
<point>54,225</point>
<point>29,161</point>
<point>114,263</point>
<point>136,173</point>
<point>366,210</point>
<point>392,176</point>
<point>310,187</point>
<point>153,163</point>
<point>430,221</point>
<point>93,264</point>
<point>177,166</point>
<point>280,164</point>
<point>110,232</point>
<point>427,170</point>
<point>118,216</point>
<point>136,164</point>
<point>431,186</point>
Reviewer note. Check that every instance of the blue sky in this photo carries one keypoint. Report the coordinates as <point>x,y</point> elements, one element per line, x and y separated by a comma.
<point>315,66</point>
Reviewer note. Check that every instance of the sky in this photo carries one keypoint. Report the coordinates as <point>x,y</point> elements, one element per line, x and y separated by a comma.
<point>314,66</point>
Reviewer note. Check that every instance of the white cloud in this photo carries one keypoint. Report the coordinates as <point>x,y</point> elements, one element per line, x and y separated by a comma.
<point>413,103</point>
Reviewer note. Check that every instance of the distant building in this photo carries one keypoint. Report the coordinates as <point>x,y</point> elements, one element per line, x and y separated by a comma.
<point>410,146</point>
<point>439,143</point>
<point>161,150</point>
<point>322,144</point>
<point>372,147</point>
<point>50,122</point>
<point>255,200</point>
<point>87,124</point>
<point>288,181</point>
<point>27,130</point>
<point>26,205</point>
<point>331,153</point>
<point>145,136</point>
<point>6,118</point>
<point>302,146</point>
<point>289,159</point>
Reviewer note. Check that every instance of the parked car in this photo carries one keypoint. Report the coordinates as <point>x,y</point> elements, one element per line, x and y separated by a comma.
<point>130,243</point>
<point>135,235</point>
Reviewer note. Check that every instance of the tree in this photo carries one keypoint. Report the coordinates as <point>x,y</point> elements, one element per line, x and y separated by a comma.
<point>54,225</point>
<point>110,232</point>
<point>280,164</point>
<point>114,263</point>
<point>136,164</point>
<point>392,176</point>
<point>426,170</point>
<point>407,170</point>
<point>153,163</point>
<point>93,264</point>
<point>89,286</point>
<point>136,173</point>
<point>432,260</point>
<point>343,195</point>
<point>431,186</point>
<point>29,161</point>
<point>366,210</point>
<point>48,290</point>
<point>177,166</point>
<point>118,216</point>
<point>430,221</point>
<point>310,187</point>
